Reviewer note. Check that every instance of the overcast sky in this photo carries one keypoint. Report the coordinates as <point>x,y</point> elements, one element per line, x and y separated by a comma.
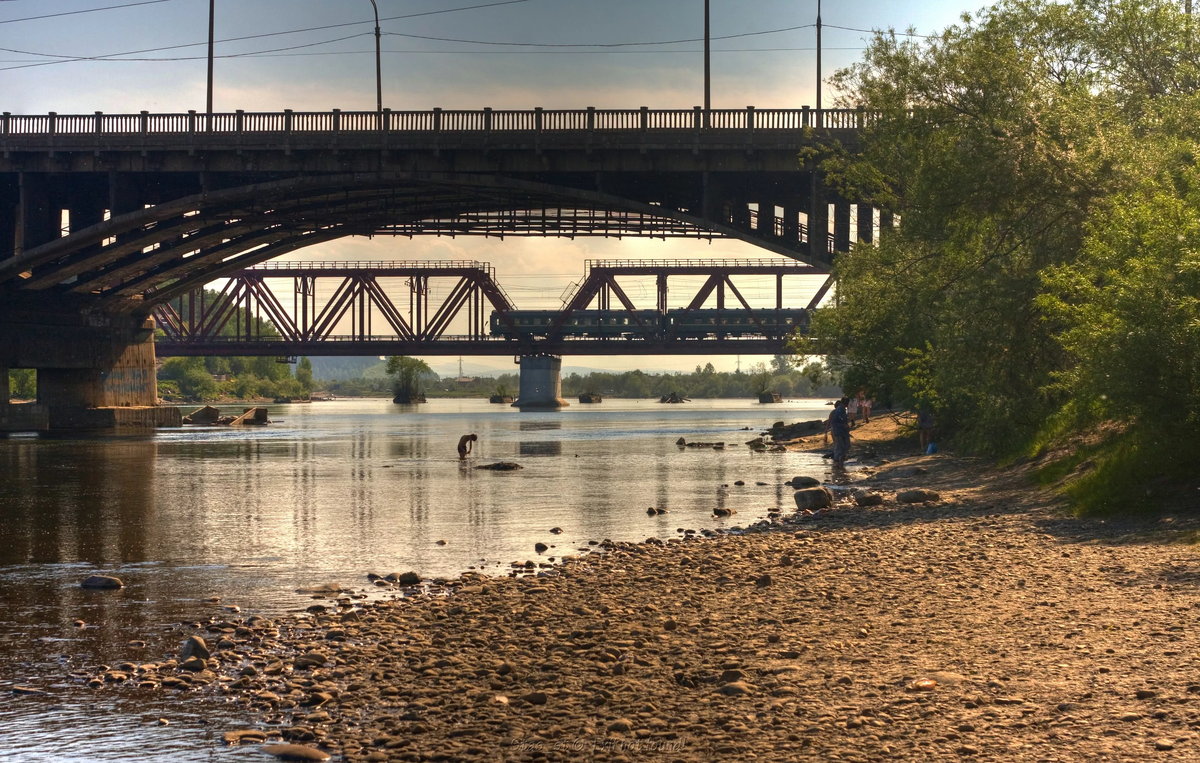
<point>333,67</point>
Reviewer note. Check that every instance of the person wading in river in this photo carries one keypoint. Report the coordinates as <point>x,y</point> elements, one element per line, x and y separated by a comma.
<point>839,426</point>
<point>465,444</point>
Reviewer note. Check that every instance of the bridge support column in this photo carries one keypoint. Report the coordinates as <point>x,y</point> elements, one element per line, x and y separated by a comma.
<point>791,223</point>
<point>10,205</point>
<point>37,222</point>
<point>866,222</point>
<point>818,222</point>
<point>94,372</point>
<point>541,383</point>
<point>886,221</point>
<point>841,226</point>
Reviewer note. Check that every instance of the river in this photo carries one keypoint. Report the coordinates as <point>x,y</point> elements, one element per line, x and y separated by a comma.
<point>325,494</point>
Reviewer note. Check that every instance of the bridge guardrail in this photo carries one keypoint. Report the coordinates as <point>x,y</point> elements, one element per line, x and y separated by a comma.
<point>702,263</point>
<point>435,121</point>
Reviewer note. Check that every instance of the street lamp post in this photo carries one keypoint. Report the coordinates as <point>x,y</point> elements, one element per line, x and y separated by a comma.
<point>378,64</point>
<point>819,120</point>
<point>212,14</point>
<point>707,70</point>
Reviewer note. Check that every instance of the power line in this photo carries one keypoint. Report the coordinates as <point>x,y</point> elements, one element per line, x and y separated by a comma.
<point>597,44</point>
<point>116,57</point>
<point>880,31</point>
<point>69,59</point>
<point>85,10</point>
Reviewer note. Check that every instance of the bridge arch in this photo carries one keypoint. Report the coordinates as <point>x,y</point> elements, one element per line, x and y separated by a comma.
<point>134,261</point>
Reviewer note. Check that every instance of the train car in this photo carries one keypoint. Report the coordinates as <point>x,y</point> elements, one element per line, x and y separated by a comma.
<point>676,324</point>
<point>689,324</point>
<point>588,323</point>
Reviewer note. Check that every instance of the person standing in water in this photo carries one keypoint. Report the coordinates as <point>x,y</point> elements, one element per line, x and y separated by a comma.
<point>838,425</point>
<point>465,444</point>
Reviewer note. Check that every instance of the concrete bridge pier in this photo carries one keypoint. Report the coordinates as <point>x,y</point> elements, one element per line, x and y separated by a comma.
<point>93,372</point>
<point>541,383</point>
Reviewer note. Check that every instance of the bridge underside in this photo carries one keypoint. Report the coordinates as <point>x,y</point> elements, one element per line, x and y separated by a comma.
<point>166,247</point>
<point>98,229</point>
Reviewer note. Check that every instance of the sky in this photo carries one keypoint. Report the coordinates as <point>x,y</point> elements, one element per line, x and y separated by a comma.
<point>150,55</point>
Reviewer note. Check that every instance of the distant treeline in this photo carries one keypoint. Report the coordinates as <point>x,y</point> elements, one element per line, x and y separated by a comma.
<point>782,376</point>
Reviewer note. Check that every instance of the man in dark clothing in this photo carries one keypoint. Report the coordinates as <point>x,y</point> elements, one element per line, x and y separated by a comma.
<point>839,426</point>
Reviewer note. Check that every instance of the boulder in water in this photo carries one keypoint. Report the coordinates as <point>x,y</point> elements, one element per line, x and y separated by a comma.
<point>501,466</point>
<point>194,647</point>
<point>102,583</point>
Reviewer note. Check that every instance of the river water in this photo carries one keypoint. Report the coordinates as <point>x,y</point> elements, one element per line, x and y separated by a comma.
<point>326,494</point>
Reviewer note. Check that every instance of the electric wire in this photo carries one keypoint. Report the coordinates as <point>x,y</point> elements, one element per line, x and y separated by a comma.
<point>81,11</point>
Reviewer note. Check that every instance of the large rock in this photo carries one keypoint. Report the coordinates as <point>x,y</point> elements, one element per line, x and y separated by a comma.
<point>813,498</point>
<point>294,752</point>
<point>867,498</point>
<point>802,482</point>
<point>194,647</point>
<point>409,578</point>
<point>503,466</point>
<point>917,496</point>
<point>102,582</point>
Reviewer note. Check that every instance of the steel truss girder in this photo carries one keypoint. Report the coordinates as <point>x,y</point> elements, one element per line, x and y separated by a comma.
<point>357,297</point>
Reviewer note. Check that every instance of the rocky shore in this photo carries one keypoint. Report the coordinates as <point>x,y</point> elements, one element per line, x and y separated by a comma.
<point>988,625</point>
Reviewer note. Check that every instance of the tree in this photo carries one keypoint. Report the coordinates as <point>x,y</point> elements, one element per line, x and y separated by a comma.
<point>406,373</point>
<point>191,375</point>
<point>998,143</point>
<point>760,379</point>
<point>304,375</point>
<point>22,383</point>
<point>781,364</point>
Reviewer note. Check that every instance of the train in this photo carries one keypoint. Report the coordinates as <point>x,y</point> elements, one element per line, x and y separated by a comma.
<point>673,324</point>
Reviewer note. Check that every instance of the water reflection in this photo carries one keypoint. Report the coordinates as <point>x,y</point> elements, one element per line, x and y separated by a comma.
<point>334,492</point>
<point>541,448</point>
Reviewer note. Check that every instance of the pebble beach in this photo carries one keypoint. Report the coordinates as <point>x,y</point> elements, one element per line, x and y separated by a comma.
<point>988,624</point>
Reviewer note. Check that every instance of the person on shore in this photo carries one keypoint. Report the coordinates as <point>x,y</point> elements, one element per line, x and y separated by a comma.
<point>465,445</point>
<point>852,409</point>
<point>864,405</point>
<point>839,426</point>
<point>925,428</point>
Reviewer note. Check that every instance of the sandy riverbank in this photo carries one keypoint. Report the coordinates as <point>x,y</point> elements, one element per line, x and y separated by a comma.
<point>1049,638</point>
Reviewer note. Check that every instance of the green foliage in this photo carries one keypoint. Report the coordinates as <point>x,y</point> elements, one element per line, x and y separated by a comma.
<point>406,373</point>
<point>22,384</point>
<point>760,379</point>
<point>1043,281</point>
<point>191,376</point>
<point>304,375</point>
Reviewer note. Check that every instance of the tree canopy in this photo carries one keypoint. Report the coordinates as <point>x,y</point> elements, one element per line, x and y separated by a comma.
<point>1041,159</point>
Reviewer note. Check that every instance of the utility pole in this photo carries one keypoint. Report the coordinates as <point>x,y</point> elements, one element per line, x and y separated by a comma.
<point>707,69</point>
<point>212,15</point>
<point>818,223</point>
<point>378,65</point>
<point>820,122</point>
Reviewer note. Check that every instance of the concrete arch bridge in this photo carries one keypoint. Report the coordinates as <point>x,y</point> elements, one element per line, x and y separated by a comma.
<point>104,218</point>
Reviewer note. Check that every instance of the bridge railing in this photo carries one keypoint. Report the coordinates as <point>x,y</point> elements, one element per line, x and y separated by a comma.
<point>435,121</point>
<point>800,267</point>
<point>371,265</point>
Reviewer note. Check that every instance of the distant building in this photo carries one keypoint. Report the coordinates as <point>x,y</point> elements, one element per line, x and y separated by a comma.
<point>464,380</point>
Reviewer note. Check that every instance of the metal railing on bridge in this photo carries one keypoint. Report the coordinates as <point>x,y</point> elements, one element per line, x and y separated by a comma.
<point>435,121</point>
